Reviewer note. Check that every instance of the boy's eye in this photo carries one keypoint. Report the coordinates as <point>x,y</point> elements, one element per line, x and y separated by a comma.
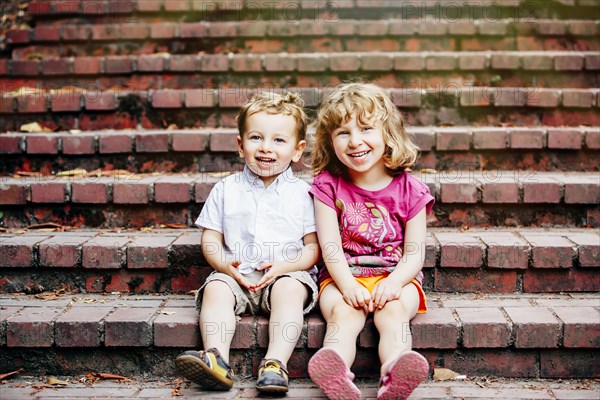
<point>254,137</point>
<point>279,140</point>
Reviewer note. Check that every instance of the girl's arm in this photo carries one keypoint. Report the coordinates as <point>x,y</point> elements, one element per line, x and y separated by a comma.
<point>330,240</point>
<point>307,258</point>
<point>408,267</point>
<point>212,248</point>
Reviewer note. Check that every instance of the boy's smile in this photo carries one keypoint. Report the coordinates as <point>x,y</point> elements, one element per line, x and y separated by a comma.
<point>269,144</point>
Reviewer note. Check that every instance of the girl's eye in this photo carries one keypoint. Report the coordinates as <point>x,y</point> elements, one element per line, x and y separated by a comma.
<point>367,128</point>
<point>342,133</point>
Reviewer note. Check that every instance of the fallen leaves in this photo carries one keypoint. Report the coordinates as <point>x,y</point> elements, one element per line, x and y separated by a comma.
<point>49,296</point>
<point>92,377</point>
<point>54,381</point>
<point>9,374</point>
<point>34,127</point>
<point>445,374</point>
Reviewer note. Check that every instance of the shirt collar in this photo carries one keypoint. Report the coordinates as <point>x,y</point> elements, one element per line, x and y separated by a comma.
<point>253,181</point>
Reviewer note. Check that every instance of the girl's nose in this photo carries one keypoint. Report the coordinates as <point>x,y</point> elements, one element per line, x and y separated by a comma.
<point>354,140</point>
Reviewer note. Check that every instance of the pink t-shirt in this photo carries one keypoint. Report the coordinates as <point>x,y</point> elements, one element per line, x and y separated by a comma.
<point>372,222</point>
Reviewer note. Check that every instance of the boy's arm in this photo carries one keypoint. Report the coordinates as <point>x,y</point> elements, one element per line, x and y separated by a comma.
<point>408,267</point>
<point>307,258</point>
<point>212,248</point>
<point>333,254</point>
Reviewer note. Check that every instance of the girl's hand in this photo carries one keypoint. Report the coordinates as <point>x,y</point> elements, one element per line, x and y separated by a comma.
<point>386,290</point>
<point>269,277</point>
<point>233,271</point>
<point>358,297</point>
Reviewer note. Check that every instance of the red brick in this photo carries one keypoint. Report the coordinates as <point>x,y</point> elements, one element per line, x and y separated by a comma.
<point>475,280</point>
<point>115,143</point>
<point>548,98</point>
<point>18,251</point>
<point>32,103</point>
<point>87,65</point>
<point>550,251</point>
<point>543,190</point>
<point>459,191</point>
<point>592,62</point>
<point>475,96</point>
<point>10,144</point>
<point>192,280</point>
<point>569,364</point>
<point>492,28</point>
<point>25,68</point>
<point>564,138</point>
<point>436,329</point>
<point>577,98</point>
<point>282,28</point>
<point>505,250</point>
<point>472,62</point>
<point>223,141</point>
<point>537,62</point>
<point>172,190</point>
<point>582,190</point>
<point>193,30</point>
<point>592,138</point>
<point>316,331</point>
<point>344,62</point>
<point>583,28</point>
<point>129,327</point>
<point>80,327</point>
<point>555,280</point>
<point>166,99</point>
<point>512,97</point>
<point>246,63</point>
<point>505,61</point>
<point>222,29</point>
<point>99,7</point>
<point>423,139</point>
<point>453,139</point>
<point>245,333</point>
<point>152,142</point>
<point>190,141</point>
<point>39,8</point>
<point>13,193</point>
<point>459,250</point>
<point>136,31</point>
<point>534,327</point>
<point>568,62</point>
<point>588,246</point>
<point>61,251</point>
<point>214,63</point>
<point>79,144</point>
<point>275,62</point>
<point>7,103</point>
<point>499,190</point>
<point>100,101</point>
<point>148,252</point>
<point>150,63</point>
<point>42,144</point>
<point>312,62</point>
<point>202,190</point>
<point>377,62</point>
<point>176,5</point>
<point>53,192</point>
<point>177,327</point>
<point>75,33</point>
<point>55,67</point>
<point>483,327</point>
<point>346,28</point>
<point>32,327</point>
<point>441,62</point>
<point>462,27</point>
<point>581,326</point>
<point>313,28</point>
<point>432,28</point>
<point>490,138</point>
<point>373,28</point>
<point>200,98</point>
<point>149,5</point>
<point>118,65</point>
<point>162,31</point>
<point>505,363</point>
<point>104,252</point>
<point>65,101</point>
<point>554,28</point>
<point>90,192</point>
<point>6,313</point>
<point>254,28</point>
<point>406,98</point>
<point>131,193</point>
<point>183,63</point>
<point>106,32</point>
<point>526,139</point>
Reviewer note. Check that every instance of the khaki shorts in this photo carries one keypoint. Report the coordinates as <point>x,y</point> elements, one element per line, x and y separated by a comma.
<point>247,302</point>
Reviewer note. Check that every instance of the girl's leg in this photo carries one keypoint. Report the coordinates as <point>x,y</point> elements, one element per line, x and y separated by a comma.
<point>344,323</point>
<point>392,322</point>
<point>288,297</point>
<point>217,317</point>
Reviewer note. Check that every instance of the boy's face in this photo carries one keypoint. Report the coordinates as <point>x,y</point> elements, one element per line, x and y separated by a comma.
<point>269,144</point>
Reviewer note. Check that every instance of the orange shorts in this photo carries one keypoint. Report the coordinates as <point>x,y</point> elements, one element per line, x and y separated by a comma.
<point>369,283</point>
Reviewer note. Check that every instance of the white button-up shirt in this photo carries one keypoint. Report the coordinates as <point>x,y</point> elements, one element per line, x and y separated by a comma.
<point>260,224</point>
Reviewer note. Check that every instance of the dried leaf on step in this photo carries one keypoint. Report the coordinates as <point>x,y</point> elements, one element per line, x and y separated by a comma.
<point>72,172</point>
<point>146,229</point>
<point>54,381</point>
<point>34,127</point>
<point>444,374</point>
<point>111,376</point>
<point>175,392</point>
<point>4,376</point>
<point>429,171</point>
<point>168,312</point>
<point>174,226</point>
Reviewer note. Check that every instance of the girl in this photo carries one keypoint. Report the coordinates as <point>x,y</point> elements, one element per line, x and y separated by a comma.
<point>371,226</point>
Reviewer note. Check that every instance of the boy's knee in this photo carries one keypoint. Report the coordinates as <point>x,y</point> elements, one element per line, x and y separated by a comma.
<point>288,286</point>
<point>216,289</point>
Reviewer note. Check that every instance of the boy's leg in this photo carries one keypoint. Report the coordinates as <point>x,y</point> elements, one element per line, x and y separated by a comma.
<point>287,300</point>
<point>392,323</point>
<point>217,317</point>
<point>344,323</point>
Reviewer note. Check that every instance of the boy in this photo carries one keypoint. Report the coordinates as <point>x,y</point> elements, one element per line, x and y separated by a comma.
<point>259,235</point>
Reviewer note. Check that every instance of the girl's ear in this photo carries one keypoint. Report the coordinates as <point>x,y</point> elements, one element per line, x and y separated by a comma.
<point>240,146</point>
<point>299,150</point>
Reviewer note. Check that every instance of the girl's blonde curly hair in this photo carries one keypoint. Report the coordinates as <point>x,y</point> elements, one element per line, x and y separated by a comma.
<point>367,101</point>
<point>273,103</point>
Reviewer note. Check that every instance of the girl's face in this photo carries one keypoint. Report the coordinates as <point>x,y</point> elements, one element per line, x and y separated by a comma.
<point>361,147</point>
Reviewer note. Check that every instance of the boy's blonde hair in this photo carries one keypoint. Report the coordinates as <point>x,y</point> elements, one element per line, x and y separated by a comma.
<point>273,103</point>
<point>367,101</point>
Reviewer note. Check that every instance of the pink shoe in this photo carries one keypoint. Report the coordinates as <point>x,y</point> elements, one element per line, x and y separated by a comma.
<point>328,371</point>
<point>403,376</point>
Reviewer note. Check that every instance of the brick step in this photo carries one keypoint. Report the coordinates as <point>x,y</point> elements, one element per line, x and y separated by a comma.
<point>73,108</point>
<point>464,197</point>
<point>526,336</point>
<point>214,150</point>
<point>236,10</point>
<point>303,36</point>
<point>509,260</point>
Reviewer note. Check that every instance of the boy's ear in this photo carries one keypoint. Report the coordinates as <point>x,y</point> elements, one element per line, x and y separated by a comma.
<point>299,150</point>
<point>240,146</point>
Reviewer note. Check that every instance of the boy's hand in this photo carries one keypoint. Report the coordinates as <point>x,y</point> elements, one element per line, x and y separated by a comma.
<point>235,274</point>
<point>269,277</point>
<point>358,297</point>
<point>384,291</point>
